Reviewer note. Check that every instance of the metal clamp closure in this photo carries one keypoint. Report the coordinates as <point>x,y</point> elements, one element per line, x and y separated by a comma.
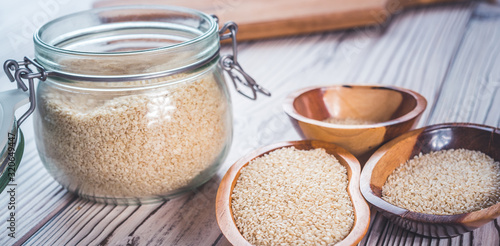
<point>230,64</point>
<point>19,71</point>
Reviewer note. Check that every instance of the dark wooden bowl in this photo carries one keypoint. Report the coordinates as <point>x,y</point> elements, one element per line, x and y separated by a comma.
<point>361,210</point>
<point>431,138</point>
<point>396,111</point>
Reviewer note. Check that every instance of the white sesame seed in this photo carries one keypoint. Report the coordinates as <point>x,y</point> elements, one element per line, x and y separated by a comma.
<point>445,182</point>
<point>301,186</point>
<point>139,145</point>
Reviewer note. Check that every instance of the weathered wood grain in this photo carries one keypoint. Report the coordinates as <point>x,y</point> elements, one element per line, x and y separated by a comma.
<point>470,94</point>
<point>471,91</point>
<point>443,52</point>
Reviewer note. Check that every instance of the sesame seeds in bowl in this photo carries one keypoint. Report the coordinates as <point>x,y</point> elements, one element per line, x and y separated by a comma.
<point>437,181</point>
<point>303,192</point>
<point>445,182</point>
<point>359,118</point>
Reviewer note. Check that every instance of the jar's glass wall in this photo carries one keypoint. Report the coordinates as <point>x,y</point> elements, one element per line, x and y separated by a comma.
<point>152,142</point>
<point>126,40</point>
<point>11,155</point>
<point>132,141</point>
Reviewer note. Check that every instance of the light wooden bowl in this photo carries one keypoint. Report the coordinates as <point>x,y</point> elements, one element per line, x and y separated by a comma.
<point>427,139</point>
<point>361,210</point>
<point>396,110</point>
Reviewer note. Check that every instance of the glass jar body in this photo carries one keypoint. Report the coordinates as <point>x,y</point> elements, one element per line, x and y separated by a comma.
<point>134,145</point>
<point>135,108</point>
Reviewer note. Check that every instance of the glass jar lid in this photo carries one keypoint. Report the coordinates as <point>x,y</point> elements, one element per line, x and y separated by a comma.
<point>141,41</point>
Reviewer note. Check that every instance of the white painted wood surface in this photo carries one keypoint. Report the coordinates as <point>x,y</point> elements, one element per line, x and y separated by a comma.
<point>448,53</point>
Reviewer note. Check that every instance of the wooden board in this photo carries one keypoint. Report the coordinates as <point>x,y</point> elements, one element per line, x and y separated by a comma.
<point>259,19</point>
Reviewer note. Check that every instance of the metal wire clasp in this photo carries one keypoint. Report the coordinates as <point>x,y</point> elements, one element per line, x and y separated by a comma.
<point>19,71</point>
<point>230,64</point>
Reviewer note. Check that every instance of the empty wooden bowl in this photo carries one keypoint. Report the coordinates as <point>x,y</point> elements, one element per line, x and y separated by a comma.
<point>361,210</point>
<point>431,138</point>
<point>393,110</point>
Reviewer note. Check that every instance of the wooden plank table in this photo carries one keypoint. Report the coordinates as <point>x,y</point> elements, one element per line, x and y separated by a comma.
<point>448,53</point>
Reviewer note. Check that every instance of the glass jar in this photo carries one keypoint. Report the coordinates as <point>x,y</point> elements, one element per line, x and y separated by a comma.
<point>11,152</point>
<point>11,136</point>
<point>134,107</point>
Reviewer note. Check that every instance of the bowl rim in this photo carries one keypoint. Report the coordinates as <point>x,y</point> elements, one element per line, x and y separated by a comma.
<point>223,207</point>
<point>418,110</point>
<point>472,218</point>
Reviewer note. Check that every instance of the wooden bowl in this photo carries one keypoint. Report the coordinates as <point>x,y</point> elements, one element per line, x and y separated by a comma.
<point>395,111</point>
<point>431,138</point>
<point>361,210</point>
